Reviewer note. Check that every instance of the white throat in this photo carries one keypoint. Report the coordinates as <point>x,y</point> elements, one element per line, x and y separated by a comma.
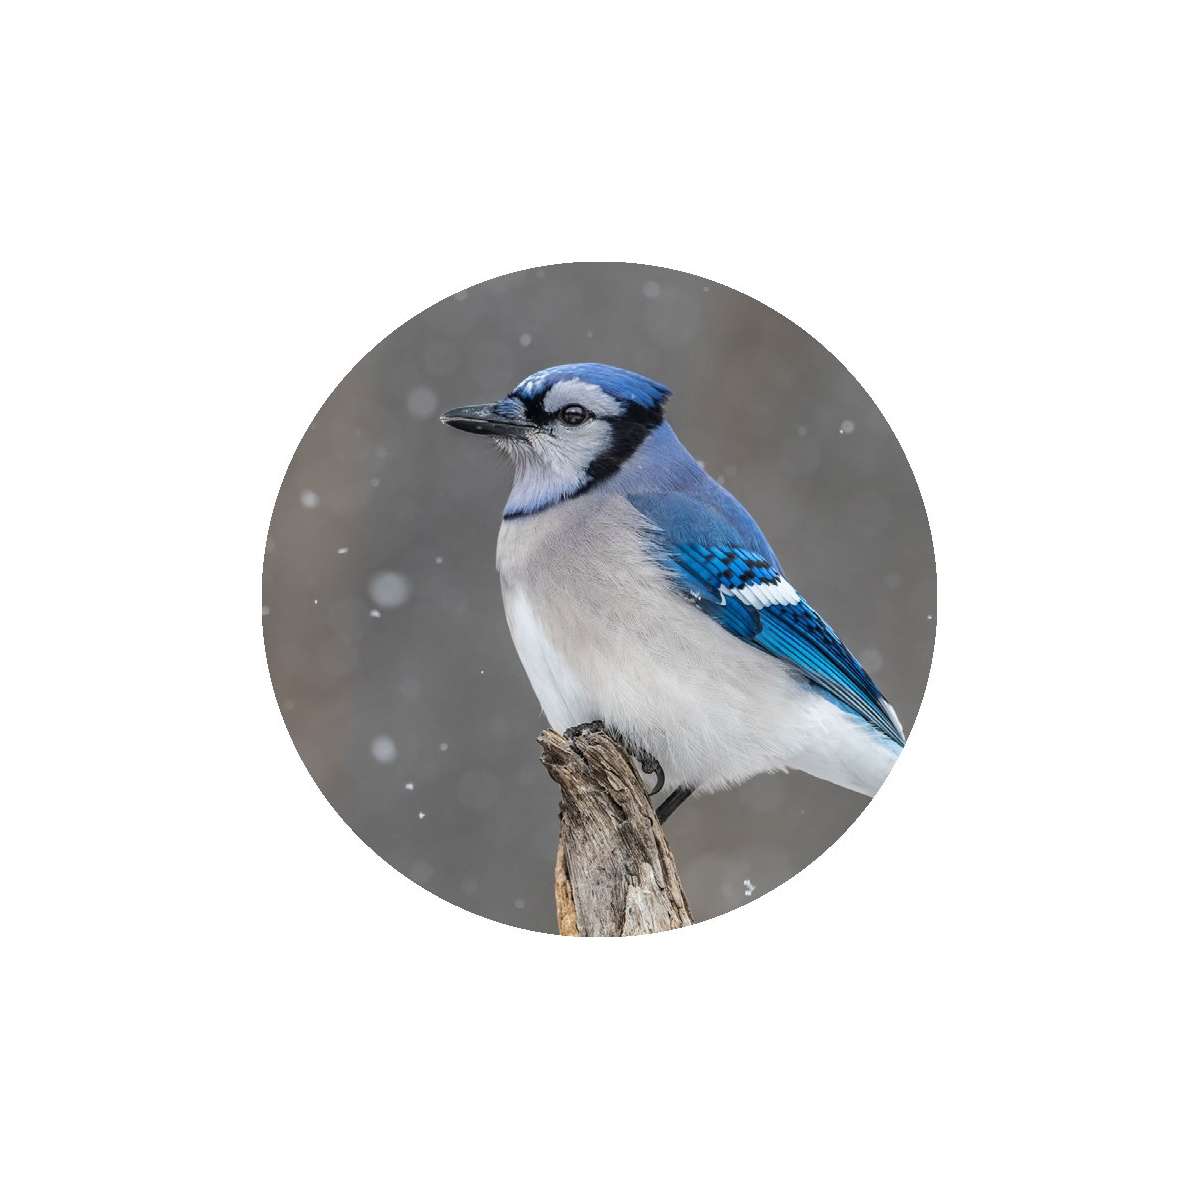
<point>552,466</point>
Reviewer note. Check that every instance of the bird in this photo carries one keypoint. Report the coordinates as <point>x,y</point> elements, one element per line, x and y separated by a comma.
<point>643,598</point>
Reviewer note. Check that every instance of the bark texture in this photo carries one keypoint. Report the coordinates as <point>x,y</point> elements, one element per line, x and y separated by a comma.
<point>615,875</point>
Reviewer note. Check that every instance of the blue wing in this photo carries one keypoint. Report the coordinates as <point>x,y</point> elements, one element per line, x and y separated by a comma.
<point>719,558</point>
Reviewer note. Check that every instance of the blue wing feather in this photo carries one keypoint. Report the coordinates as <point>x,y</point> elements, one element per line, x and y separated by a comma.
<point>714,554</point>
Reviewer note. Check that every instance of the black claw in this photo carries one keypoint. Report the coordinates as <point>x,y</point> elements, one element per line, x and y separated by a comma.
<point>651,766</point>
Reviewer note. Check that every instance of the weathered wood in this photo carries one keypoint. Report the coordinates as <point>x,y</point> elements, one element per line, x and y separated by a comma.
<point>615,875</point>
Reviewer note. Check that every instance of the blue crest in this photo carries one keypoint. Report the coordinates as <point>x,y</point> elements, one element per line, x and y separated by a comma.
<point>616,381</point>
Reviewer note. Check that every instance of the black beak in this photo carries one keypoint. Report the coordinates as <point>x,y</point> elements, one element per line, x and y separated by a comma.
<point>483,418</point>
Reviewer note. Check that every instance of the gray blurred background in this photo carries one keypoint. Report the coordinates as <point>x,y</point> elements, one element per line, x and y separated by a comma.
<point>384,629</point>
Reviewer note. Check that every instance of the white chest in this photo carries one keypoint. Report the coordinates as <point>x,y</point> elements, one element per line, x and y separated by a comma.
<point>564,698</point>
<point>564,575</point>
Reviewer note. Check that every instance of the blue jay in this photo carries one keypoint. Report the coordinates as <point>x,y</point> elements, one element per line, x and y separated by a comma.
<point>641,595</point>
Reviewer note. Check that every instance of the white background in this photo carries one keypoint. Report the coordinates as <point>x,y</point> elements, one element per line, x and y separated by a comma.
<point>986,988</point>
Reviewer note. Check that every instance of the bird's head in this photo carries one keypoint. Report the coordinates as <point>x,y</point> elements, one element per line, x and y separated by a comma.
<point>566,428</point>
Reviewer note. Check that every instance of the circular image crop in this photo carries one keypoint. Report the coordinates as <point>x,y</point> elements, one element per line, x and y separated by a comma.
<point>610,493</point>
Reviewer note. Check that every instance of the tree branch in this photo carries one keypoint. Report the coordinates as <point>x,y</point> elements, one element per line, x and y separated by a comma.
<point>615,875</point>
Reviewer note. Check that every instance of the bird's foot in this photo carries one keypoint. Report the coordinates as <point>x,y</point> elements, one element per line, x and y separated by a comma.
<point>649,764</point>
<point>587,727</point>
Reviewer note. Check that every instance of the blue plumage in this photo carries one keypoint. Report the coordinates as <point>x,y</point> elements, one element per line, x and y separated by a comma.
<point>698,510</point>
<point>616,381</point>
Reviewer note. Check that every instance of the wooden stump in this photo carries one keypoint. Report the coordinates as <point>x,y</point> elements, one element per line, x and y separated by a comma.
<point>615,875</point>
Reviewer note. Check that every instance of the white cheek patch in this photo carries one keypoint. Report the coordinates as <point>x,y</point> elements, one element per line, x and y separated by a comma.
<point>764,595</point>
<point>567,453</point>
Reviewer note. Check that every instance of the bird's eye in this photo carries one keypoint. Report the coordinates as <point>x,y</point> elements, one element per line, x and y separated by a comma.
<point>574,414</point>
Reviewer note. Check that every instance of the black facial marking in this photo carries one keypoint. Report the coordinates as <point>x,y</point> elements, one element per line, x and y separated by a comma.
<point>535,408</point>
<point>629,431</point>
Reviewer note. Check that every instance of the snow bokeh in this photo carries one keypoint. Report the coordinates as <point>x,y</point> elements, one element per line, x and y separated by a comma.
<point>389,589</point>
<point>383,749</point>
<point>422,402</point>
